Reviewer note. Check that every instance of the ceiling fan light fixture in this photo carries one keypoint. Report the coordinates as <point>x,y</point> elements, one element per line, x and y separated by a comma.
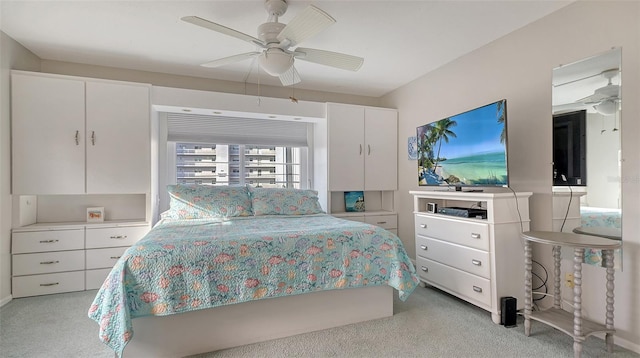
<point>275,61</point>
<point>607,107</point>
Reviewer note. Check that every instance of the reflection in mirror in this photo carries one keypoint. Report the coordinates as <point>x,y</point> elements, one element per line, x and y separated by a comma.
<point>587,107</point>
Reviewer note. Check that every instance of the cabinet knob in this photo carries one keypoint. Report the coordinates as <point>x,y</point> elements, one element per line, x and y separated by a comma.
<point>115,257</point>
<point>424,226</point>
<point>424,247</point>
<point>93,137</point>
<point>77,137</point>
<point>381,222</point>
<point>49,284</point>
<point>476,262</point>
<point>360,149</point>
<point>477,289</point>
<point>118,237</point>
<point>475,236</point>
<point>368,149</point>
<point>48,241</point>
<point>425,269</point>
<point>49,262</point>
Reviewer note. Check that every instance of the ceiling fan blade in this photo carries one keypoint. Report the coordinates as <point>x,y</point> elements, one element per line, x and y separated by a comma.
<point>222,29</point>
<point>290,77</point>
<point>304,25</point>
<point>329,58</point>
<point>231,59</point>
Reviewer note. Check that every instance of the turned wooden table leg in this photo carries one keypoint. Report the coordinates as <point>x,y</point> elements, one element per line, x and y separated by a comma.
<point>556,277</point>
<point>578,257</point>
<point>608,261</point>
<point>527,287</point>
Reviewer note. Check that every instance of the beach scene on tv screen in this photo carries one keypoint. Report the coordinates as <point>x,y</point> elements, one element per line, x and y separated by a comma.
<point>465,149</point>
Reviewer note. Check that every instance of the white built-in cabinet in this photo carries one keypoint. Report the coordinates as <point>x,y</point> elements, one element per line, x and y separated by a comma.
<point>362,147</point>
<point>362,156</point>
<point>76,143</point>
<point>75,136</point>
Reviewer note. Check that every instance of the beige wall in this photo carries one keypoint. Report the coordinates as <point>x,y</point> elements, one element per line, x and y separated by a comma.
<point>518,67</point>
<point>12,56</point>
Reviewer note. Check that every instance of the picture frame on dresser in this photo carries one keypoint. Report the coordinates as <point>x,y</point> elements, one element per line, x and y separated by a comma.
<point>95,214</point>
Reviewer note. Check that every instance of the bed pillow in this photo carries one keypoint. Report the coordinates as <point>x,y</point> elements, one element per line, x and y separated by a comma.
<point>204,202</point>
<point>284,201</point>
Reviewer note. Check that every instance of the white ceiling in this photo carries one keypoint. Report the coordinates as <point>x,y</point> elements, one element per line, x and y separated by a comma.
<point>400,40</point>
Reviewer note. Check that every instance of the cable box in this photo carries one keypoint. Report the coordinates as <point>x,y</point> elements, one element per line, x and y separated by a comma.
<point>464,212</point>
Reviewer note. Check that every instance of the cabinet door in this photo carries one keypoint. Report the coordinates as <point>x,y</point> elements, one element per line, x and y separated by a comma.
<point>346,147</point>
<point>381,149</point>
<point>47,128</point>
<point>118,138</point>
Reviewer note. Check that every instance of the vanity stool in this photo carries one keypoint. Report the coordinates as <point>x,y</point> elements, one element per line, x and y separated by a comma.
<point>572,324</point>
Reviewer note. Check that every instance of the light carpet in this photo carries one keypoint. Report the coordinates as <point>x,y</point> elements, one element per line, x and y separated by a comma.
<point>429,324</point>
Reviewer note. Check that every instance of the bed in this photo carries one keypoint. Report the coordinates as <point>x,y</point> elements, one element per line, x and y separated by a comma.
<point>228,266</point>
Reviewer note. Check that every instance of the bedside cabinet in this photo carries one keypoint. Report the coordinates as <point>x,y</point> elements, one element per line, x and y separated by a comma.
<point>49,258</point>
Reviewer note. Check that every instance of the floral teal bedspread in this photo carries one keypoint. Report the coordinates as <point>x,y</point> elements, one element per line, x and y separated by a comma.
<point>186,265</point>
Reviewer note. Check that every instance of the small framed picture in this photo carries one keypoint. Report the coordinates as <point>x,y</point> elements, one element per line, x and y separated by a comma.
<point>354,201</point>
<point>95,214</point>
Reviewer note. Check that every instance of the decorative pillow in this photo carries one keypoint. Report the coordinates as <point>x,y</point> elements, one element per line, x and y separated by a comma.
<point>284,201</point>
<point>204,201</point>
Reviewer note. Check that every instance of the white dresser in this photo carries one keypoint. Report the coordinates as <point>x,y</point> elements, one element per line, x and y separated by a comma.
<point>476,259</point>
<point>72,257</point>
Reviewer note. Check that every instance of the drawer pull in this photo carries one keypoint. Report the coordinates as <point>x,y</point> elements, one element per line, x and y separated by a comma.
<point>425,269</point>
<point>49,262</point>
<point>115,257</point>
<point>475,236</point>
<point>424,226</point>
<point>424,247</point>
<point>118,237</point>
<point>49,284</point>
<point>477,289</point>
<point>476,262</point>
<point>48,241</point>
<point>381,222</point>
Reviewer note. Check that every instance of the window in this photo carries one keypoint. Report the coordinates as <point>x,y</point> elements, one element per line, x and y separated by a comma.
<point>238,164</point>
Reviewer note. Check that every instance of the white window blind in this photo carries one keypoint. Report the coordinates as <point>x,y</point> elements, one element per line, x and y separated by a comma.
<point>195,128</point>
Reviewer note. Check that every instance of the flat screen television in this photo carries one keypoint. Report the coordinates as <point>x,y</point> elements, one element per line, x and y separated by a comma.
<point>468,149</point>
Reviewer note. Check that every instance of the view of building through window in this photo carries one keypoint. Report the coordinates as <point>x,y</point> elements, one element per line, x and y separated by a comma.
<point>256,165</point>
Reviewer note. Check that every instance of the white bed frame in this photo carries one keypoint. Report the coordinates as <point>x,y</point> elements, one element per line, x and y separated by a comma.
<point>257,321</point>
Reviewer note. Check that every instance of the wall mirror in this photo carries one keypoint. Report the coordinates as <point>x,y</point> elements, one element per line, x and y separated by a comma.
<point>587,108</point>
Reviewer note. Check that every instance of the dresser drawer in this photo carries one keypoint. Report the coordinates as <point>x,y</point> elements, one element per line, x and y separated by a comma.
<point>47,284</point>
<point>44,241</point>
<point>384,221</point>
<point>461,232</point>
<point>464,258</point>
<point>472,288</point>
<point>48,262</point>
<point>114,236</point>
<point>95,278</point>
<point>103,258</point>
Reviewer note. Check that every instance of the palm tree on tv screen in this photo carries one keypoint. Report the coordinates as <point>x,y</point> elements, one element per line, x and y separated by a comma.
<point>442,131</point>
<point>501,118</point>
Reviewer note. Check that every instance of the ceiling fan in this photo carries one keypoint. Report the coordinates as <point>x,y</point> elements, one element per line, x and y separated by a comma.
<point>278,42</point>
<point>604,100</point>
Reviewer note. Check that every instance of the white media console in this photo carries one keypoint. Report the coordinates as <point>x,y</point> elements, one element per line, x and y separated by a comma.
<point>476,259</point>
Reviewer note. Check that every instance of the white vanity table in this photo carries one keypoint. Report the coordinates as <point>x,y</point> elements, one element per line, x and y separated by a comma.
<point>571,324</point>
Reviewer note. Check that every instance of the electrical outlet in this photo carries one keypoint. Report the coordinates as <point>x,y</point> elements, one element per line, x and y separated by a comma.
<point>568,280</point>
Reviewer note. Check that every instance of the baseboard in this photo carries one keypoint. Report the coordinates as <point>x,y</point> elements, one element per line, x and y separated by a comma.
<point>5,300</point>
<point>634,347</point>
